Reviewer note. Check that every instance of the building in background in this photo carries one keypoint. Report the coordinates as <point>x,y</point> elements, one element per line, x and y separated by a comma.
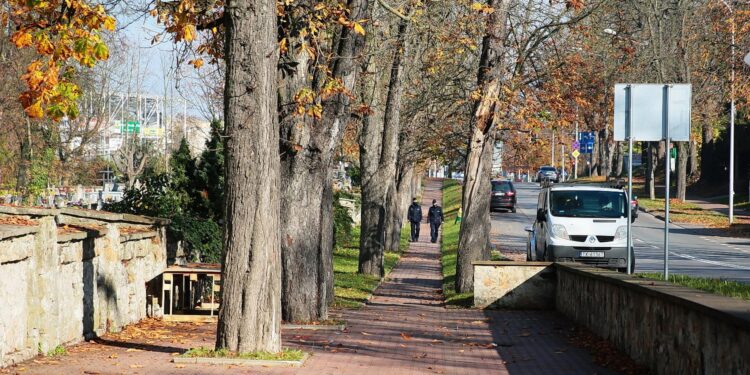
<point>140,118</point>
<point>497,159</point>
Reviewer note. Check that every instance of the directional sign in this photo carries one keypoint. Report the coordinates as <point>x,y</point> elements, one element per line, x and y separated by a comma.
<point>587,142</point>
<point>576,145</point>
<point>576,153</point>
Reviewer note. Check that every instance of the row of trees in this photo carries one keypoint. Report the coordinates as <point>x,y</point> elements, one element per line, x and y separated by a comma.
<point>394,84</point>
<point>642,41</point>
<point>558,71</point>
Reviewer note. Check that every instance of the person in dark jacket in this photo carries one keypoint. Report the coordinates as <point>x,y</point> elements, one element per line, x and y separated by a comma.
<point>435,217</point>
<point>415,218</point>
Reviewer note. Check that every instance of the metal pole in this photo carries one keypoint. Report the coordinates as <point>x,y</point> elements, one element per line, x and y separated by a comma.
<point>668,171</point>
<point>731,134</point>
<point>628,258</point>
<point>575,168</point>
<point>562,156</point>
<point>630,205</point>
<point>553,148</point>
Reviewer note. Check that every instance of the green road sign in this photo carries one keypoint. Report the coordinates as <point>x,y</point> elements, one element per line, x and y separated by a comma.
<point>130,127</point>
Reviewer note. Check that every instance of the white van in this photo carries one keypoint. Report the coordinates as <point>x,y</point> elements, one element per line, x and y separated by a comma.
<point>580,223</point>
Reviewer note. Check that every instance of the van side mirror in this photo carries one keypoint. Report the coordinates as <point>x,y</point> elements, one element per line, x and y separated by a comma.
<point>541,215</point>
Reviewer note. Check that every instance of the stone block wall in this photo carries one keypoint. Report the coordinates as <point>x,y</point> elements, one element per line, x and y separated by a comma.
<point>514,285</point>
<point>71,274</point>
<point>669,328</point>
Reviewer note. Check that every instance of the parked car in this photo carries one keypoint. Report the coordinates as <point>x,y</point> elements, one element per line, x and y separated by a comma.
<point>586,224</point>
<point>503,196</point>
<point>547,173</point>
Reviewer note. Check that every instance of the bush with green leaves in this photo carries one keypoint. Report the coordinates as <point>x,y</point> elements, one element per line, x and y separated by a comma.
<point>190,195</point>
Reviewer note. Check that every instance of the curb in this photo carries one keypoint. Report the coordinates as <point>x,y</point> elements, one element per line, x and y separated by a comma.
<point>239,361</point>
<point>315,327</point>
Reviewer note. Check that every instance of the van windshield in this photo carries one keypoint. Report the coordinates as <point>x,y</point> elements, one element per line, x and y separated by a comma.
<point>587,203</point>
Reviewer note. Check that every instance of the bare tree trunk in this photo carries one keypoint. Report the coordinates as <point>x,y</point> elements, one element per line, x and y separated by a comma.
<point>708,160</point>
<point>682,159</point>
<point>307,195</point>
<point>326,248</point>
<point>475,198</point>
<point>401,198</point>
<point>620,155</point>
<point>596,156</point>
<point>250,312</point>
<point>693,169</point>
<point>380,166</point>
<point>475,223</point>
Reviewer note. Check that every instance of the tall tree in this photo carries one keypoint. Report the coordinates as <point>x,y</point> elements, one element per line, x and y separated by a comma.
<point>475,224</point>
<point>250,313</point>
<point>308,147</point>
<point>378,156</point>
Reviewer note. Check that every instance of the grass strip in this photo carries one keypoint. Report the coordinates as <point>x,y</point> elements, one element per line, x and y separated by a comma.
<point>449,246</point>
<point>351,289</point>
<point>284,355</point>
<point>722,287</point>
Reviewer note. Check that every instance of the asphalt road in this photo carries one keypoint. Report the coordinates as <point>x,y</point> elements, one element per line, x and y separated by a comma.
<point>692,251</point>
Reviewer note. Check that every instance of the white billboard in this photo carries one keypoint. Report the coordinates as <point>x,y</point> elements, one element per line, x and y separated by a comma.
<point>650,108</point>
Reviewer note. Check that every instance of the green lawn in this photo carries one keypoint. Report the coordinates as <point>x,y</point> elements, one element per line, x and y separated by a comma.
<point>284,355</point>
<point>449,246</point>
<point>717,286</point>
<point>351,289</point>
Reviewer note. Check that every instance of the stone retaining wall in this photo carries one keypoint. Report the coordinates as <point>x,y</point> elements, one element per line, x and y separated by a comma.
<point>514,285</point>
<point>669,328</point>
<point>69,274</point>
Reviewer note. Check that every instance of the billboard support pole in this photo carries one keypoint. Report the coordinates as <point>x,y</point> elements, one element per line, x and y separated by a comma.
<point>628,258</point>
<point>666,187</point>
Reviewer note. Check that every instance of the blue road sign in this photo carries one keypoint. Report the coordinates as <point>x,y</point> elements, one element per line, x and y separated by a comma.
<point>587,140</point>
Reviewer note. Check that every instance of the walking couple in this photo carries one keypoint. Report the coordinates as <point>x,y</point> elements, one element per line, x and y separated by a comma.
<point>434,217</point>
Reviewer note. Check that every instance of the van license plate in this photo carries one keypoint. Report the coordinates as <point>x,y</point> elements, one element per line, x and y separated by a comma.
<point>592,254</point>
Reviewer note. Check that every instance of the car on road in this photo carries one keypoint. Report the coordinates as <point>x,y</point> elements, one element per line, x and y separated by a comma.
<point>581,223</point>
<point>634,206</point>
<point>547,173</point>
<point>503,196</point>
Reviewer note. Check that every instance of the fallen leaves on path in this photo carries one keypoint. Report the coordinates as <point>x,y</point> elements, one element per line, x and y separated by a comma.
<point>405,336</point>
<point>604,353</point>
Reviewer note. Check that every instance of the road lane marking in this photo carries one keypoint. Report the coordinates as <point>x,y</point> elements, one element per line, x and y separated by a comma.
<point>721,264</point>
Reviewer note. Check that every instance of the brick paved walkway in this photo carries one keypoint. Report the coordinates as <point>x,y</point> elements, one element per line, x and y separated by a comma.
<point>404,330</point>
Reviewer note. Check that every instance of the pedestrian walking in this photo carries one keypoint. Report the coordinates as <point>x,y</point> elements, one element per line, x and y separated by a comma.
<point>435,217</point>
<point>415,218</point>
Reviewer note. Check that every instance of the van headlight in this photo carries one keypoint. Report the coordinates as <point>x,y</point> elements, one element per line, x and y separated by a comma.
<point>560,232</point>
<point>622,233</point>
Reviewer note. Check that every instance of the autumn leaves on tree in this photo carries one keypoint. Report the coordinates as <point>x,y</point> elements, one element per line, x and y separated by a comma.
<point>391,85</point>
<point>60,31</point>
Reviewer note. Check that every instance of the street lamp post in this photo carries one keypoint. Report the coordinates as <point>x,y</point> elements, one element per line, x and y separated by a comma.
<point>731,118</point>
